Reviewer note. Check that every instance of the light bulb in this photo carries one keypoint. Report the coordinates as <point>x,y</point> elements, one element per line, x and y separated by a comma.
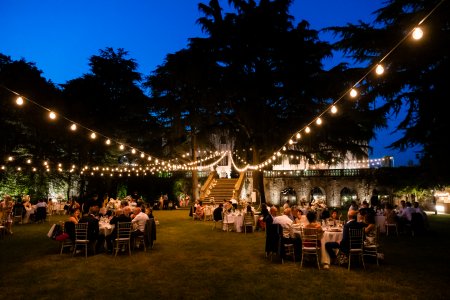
<point>307,129</point>
<point>108,142</point>
<point>52,115</point>
<point>19,101</point>
<point>73,127</point>
<point>417,33</point>
<point>93,135</point>
<point>298,136</point>
<point>379,69</point>
<point>319,121</point>
<point>121,147</point>
<point>333,109</point>
<point>353,93</point>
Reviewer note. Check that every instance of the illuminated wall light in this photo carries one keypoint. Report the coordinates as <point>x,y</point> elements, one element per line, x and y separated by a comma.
<point>333,109</point>
<point>52,115</point>
<point>19,101</point>
<point>417,33</point>
<point>108,142</point>
<point>73,127</point>
<point>319,121</point>
<point>93,135</point>
<point>307,129</point>
<point>353,93</point>
<point>379,70</point>
<point>121,147</point>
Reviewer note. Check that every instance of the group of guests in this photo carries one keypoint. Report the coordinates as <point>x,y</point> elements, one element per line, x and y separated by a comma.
<point>137,215</point>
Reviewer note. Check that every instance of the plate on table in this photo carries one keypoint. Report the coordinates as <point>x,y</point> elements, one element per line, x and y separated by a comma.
<point>335,230</point>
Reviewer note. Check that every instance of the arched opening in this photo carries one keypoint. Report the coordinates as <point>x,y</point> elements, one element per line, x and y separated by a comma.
<point>347,196</point>
<point>288,194</point>
<point>317,195</point>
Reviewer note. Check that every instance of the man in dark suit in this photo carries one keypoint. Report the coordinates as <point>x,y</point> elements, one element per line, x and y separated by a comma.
<point>344,244</point>
<point>94,237</point>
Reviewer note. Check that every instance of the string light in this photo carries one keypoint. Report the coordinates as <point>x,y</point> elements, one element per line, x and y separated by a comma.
<point>417,33</point>
<point>19,101</point>
<point>73,127</point>
<point>319,121</point>
<point>108,142</point>
<point>52,115</point>
<point>121,147</point>
<point>307,129</point>
<point>93,136</point>
<point>334,109</point>
<point>298,135</point>
<point>379,69</point>
<point>353,93</point>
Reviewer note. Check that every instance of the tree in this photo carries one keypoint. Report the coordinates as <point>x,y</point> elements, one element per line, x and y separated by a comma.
<point>416,77</point>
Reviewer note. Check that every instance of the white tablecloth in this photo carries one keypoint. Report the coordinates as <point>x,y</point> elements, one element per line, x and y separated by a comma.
<point>328,236</point>
<point>105,228</point>
<point>238,221</point>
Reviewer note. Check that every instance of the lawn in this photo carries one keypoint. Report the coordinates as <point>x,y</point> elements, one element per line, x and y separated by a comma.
<point>190,261</point>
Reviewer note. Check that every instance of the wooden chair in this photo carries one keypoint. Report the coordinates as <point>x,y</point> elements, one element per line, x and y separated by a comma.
<point>67,243</point>
<point>372,248</point>
<point>229,226</point>
<point>81,237</point>
<point>356,247</point>
<point>390,225</point>
<point>310,244</point>
<point>17,215</point>
<point>123,238</point>
<point>249,221</point>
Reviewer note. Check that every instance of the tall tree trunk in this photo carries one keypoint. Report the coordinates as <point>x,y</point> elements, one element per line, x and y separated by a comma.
<point>258,178</point>
<point>195,193</point>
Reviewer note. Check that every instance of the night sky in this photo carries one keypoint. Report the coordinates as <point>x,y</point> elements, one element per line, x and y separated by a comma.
<point>60,36</point>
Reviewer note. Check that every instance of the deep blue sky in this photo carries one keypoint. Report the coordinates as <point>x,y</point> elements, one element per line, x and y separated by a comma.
<point>60,36</point>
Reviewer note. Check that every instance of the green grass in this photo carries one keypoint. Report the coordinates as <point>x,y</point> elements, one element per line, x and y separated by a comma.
<point>190,261</point>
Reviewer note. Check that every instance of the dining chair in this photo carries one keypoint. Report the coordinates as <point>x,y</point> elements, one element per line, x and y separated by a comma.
<point>215,222</point>
<point>372,249</point>
<point>67,243</point>
<point>390,225</point>
<point>81,237</point>
<point>249,221</point>
<point>123,238</point>
<point>356,247</point>
<point>310,244</point>
<point>17,216</point>
<point>229,226</point>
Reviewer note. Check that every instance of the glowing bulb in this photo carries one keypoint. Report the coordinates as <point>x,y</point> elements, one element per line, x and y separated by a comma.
<point>307,129</point>
<point>108,142</point>
<point>73,127</point>
<point>10,158</point>
<point>379,69</point>
<point>417,33</point>
<point>333,109</point>
<point>121,147</point>
<point>52,115</point>
<point>319,121</point>
<point>93,135</point>
<point>298,135</point>
<point>28,161</point>
<point>291,142</point>
<point>353,93</point>
<point>133,151</point>
<point>19,101</point>
<point>142,155</point>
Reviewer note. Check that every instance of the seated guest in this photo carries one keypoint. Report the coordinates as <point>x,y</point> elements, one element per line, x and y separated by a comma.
<point>138,221</point>
<point>325,214</point>
<point>249,210</point>
<point>288,234</point>
<point>312,222</point>
<point>344,244</point>
<point>334,220</point>
<point>217,213</point>
<point>390,215</point>
<point>118,217</point>
<point>74,216</point>
<point>301,218</point>
<point>149,212</point>
<point>199,211</point>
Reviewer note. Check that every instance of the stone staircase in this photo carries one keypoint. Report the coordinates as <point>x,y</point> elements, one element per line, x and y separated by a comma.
<point>221,189</point>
